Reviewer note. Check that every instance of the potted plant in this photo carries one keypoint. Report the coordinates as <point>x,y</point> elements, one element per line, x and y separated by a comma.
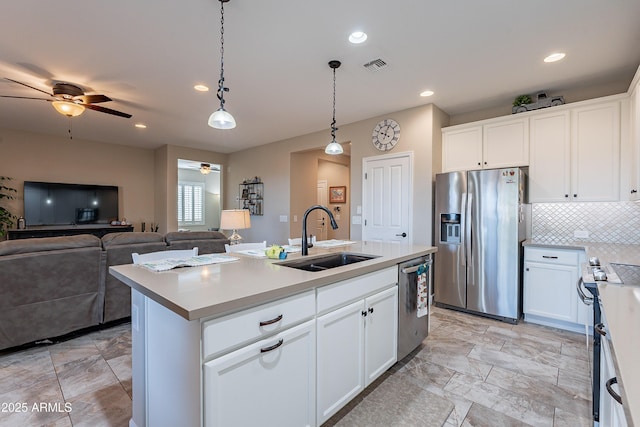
<point>6,217</point>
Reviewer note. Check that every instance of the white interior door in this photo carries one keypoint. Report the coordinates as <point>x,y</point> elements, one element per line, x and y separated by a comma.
<point>386,198</point>
<point>321,218</point>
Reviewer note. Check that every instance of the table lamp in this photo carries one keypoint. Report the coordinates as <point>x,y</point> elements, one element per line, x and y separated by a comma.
<point>235,219</point>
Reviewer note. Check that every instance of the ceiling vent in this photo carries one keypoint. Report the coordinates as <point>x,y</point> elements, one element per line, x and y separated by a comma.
<point>375,65</point>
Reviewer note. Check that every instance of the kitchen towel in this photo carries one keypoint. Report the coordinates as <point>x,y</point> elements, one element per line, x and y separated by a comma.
<point>423,290</point>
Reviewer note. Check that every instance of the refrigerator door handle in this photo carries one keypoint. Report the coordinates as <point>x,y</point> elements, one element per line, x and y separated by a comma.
<point>467,231</point>
<point>463,221</point>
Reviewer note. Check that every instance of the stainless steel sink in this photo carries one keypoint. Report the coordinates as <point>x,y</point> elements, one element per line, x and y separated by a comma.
<point>326,262</point>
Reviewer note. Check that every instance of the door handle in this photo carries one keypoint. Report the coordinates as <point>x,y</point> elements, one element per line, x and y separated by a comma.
<point>613,394</point>
<point>402,235</point>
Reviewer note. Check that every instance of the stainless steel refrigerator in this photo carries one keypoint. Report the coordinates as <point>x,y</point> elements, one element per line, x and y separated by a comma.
<point>480,224</point>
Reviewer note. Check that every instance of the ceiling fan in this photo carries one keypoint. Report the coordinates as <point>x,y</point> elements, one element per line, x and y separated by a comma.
<point>69,99</point>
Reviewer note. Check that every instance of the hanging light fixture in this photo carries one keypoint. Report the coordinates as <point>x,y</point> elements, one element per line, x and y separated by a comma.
<point>205,168</point>
<point>68,108</point>
<point>221,118</point>
<point>333,147</point>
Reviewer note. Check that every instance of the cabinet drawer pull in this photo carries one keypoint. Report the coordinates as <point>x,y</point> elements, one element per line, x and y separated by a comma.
<point>273,347</point>
<point>272,321</point>
<point>600,329</point>
<point>549,257</point>
<point>613,394</point>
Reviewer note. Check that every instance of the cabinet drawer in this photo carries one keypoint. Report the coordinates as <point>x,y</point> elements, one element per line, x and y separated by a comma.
<point>255,323</point>
<point>552,255</point>
<point>344,292</point>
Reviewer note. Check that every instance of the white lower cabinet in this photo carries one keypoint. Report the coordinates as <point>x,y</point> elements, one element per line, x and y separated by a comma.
<point>356,344</point>
<point>550,296</point>
<point>270,382</point>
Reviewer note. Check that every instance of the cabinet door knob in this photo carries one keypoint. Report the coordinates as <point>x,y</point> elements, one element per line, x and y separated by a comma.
<point>370,309</point>
<point>634,191</point>
<point>566,195</point>
<point>364,313</point>
<point>575,195</point>
<point>479,163</point>
<point>485,163</point>
<point>526,269</point>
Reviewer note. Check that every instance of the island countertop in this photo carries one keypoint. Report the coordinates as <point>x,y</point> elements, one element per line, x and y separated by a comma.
<point>217,289</point>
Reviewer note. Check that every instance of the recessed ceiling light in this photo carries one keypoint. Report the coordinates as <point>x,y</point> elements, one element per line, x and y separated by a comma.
<point>141,126</point>
<point>426,93</point>
<point>201,88</point>
<point>357,37</point>
<point>554,57</point>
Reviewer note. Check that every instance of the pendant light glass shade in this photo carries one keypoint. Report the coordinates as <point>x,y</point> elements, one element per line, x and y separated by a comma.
<point>333,148</point>
<point>222,119</point>
<point>68,108</point>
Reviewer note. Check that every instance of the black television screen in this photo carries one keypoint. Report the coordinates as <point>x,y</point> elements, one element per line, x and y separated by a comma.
<point>49,203</point>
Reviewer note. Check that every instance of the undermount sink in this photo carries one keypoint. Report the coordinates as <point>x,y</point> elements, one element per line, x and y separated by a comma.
<point>326,262</point>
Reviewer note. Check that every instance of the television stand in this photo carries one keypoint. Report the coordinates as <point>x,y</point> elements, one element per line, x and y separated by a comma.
<point>97,230</point>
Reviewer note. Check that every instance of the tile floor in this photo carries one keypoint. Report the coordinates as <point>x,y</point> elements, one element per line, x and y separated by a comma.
<point>470,371</point>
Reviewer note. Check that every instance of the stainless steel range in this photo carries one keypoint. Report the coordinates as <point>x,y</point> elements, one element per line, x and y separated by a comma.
<point>595,272</point>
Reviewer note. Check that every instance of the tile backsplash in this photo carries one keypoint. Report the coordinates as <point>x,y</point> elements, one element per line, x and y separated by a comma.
<point>606,222</point>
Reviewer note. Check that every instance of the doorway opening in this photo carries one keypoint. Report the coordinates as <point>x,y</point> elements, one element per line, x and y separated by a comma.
<point>198,197</point>
<point>313,176</point>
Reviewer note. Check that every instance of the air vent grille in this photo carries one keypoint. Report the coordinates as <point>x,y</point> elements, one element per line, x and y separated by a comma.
<point>375,65</point>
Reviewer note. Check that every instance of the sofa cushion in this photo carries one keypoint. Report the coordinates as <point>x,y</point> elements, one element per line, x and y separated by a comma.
<point>136,237</point>
<point>207,241</point>
<point>42,244</point>
<point>193,235</point>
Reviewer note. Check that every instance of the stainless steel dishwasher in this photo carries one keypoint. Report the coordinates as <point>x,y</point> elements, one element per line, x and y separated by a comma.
<point>414,303</point>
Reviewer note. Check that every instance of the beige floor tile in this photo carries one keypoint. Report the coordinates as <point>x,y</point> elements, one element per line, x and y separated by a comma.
<point>106,406</point>
<point>515,363</point>
<point>481,416</point>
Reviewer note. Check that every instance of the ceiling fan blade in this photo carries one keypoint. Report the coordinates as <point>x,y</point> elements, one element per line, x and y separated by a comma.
<point>24,97</point>
<point>106,110</point>
<point>31,87</point>
<point>93,99</point>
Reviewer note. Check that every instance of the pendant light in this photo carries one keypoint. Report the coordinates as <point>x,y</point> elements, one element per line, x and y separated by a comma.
<point>222,119</point>
<point>333,147</point>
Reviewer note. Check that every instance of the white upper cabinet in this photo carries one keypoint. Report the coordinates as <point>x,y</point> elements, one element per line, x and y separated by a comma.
<point>550,169</point>
<point>489,145</point>
<point>462,149</point>
<point>575,154</point>
<point>595,152</point>
<point>634,176</point>
<point>506,144</point>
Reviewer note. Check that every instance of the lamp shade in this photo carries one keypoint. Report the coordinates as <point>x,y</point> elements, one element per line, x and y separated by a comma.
<point>333,148</point>
<point>222,119</point>
<point>235,219</point>
<point>68,108</point>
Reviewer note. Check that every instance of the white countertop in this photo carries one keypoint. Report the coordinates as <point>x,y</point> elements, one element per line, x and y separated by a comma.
<point>217,289</point>
<point>621,305</point>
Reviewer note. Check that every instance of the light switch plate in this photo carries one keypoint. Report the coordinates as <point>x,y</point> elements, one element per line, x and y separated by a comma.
<point>356,219</point>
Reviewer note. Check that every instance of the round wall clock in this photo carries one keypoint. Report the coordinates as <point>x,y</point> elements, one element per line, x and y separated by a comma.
<point>386,135</point>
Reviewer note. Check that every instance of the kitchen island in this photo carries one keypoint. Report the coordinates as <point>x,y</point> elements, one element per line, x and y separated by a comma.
<point>252,337</point>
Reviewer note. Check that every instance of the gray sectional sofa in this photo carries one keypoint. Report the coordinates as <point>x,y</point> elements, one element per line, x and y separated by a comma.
<point>52,286</point>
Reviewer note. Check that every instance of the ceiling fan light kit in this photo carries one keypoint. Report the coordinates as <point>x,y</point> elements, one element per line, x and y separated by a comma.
<point>68,108</point>
<point>222,119</point>
<point>333,147</point>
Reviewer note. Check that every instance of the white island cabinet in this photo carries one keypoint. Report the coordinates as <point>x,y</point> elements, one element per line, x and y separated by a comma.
<point>253,342</point>
<point>357,340</point>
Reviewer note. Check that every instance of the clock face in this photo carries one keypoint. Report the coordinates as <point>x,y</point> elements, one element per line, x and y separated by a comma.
<point>386,135</point>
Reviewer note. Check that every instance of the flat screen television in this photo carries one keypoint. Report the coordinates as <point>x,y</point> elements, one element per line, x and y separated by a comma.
<point>50,203</point>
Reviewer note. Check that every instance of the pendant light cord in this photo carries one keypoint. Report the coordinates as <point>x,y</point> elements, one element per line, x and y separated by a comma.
<point>333,122</point>
<point>221,88</point>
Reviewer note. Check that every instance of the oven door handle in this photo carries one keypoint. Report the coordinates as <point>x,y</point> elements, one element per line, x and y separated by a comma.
<point>599,328</point>
<point>583,297</point>
<point>613,394</point>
